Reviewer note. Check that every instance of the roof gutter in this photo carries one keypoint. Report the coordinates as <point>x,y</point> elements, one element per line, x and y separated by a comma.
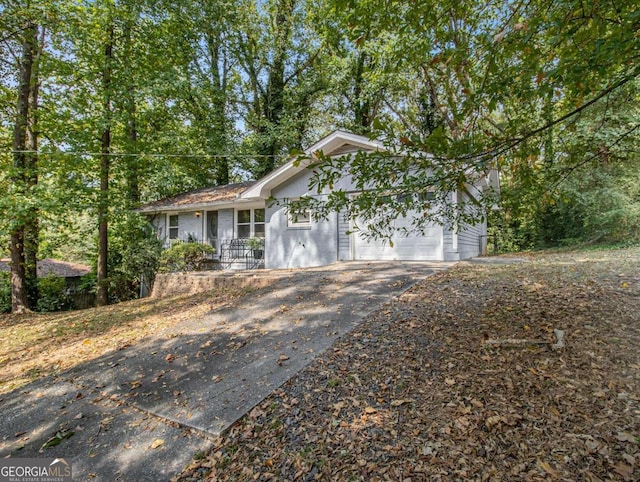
<point>192,206</point>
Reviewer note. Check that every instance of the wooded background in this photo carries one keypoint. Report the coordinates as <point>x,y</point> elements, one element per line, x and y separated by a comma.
<point>108,104</point>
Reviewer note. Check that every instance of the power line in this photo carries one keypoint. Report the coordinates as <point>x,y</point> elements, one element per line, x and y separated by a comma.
<point>148,154</point>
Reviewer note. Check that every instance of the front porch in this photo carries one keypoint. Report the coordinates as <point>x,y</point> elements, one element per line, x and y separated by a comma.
<point>241,253</point>
<point>230,254</point>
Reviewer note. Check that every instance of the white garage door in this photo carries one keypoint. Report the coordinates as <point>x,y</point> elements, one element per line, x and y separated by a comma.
<point>415,247</point>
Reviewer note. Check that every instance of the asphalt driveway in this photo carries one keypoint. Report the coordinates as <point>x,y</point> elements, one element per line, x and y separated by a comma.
<point>141,413</point>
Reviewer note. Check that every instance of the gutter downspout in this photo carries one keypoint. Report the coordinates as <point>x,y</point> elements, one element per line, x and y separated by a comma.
<point>337,236</point>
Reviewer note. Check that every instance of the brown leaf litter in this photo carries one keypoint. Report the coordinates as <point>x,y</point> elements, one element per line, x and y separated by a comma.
<point>415,393</point>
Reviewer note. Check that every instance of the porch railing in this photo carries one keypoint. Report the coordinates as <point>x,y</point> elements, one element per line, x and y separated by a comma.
<point>247,252</point>
<point>230,253</point>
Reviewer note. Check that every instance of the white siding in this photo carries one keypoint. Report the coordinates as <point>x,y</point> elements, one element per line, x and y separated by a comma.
<point>189,224</point>
<point>344,239</point>
<point>225,224</point>
<point>450,249</point>
<point>327,240</point>
<point>469,241</point>
<point>294,247</point>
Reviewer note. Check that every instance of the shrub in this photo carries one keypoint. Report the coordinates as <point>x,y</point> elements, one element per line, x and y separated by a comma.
<point>5,292</point>
<point>134,251</point>
<point>185,257</point>
<point>52,294</point>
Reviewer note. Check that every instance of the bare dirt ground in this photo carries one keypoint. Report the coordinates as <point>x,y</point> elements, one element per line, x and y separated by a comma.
<point>458,380</point>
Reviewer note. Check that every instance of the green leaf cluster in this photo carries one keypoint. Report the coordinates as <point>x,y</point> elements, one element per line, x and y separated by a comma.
<point>182,256</point>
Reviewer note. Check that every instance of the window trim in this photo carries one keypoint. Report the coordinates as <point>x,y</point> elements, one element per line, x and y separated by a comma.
<point>297,224</point>
<point>426,196</point>
<point>170,227</point>
<point>252,222</point>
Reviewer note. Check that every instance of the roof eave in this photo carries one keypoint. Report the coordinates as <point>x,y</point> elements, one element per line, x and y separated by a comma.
<point>338,137</point>
<point>192,206</point>
<point>262,188</point>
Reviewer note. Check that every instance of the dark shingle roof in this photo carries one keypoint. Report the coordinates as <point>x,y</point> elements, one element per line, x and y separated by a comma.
<point>198,197</point>
<point>53,267</point>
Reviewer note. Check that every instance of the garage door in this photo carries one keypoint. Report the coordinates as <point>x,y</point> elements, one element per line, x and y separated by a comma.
<point>414,247</point>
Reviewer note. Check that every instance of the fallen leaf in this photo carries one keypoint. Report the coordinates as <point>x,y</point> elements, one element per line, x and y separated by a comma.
<point>625,437</point>
<point>492,421</point>
<point>281,359</point>
<point>397,403</point>
<point>337,407</point>
<point>157,443</point>
<point>624,470</point>
<point>630,459</point>
<point>56,439</point>
<point>370,410</point>
<point>548,469</point>
<point>170,357</point>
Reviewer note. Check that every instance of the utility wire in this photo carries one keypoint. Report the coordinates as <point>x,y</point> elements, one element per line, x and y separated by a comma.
<point>143,154</point>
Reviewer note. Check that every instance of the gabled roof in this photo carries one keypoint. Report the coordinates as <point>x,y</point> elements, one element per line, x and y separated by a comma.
<point>198,198</point>
<point>53,267</point>
<point>335,144</point>
<point>338,140</point>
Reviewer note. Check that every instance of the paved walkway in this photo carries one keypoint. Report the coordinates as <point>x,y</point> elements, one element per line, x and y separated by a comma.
<point>141,413</point>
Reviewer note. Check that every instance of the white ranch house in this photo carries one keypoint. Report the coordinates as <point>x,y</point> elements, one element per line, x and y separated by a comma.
<point>247,231</point>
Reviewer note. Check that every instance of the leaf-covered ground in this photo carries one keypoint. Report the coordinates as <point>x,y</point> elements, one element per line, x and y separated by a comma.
<point>457,380</point>
<point>34,345</point>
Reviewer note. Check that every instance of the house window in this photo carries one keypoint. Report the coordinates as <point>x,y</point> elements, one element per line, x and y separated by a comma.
<point>258,223</point>
<point>250,223</point>
<point>298,218</point>
<point>173,226</point>
<point>426,196</point>
<point>244,223</point>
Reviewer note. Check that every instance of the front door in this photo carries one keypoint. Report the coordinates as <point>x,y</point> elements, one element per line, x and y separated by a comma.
<point>212,229</point>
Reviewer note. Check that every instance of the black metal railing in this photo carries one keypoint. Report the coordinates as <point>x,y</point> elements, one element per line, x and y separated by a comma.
<point>242,251</point>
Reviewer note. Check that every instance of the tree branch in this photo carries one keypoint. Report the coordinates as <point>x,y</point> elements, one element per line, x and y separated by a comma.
<point>510,144</point>
<point>310,60</point>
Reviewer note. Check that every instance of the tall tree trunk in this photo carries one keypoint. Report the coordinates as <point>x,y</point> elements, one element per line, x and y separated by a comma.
<point>363,111</point>
<point>218,131</point>
<point>273,100</point>
<point>19,298</point>
<point>132,167</point>
<point>133,170</point>
<point>32,226</point>
<point>547,112</point>
<point>102,295</point>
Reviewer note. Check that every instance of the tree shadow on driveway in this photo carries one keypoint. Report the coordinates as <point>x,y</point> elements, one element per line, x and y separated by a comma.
<point>140,413</point>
